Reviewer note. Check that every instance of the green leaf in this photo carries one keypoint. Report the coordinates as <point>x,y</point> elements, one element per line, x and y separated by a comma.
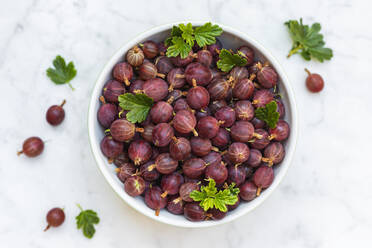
<point>211,189</point>
<point>86,220</point>
<point>197,195</point>
<point>206,34</point>
<point>207,203</point>
<point>268,114</point>
<point>179,47</point>
<point>176,32</point>
<point>321,53</point>
<point>308,41</point>
<point>183,37</point>
<point>138,105</point>
<point>61,73</point>
<point>187,33</point>
<point>233,190</point>
<point>228,61</point>
<point>210,197</point>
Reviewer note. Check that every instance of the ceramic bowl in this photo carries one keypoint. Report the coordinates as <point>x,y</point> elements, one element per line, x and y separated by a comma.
<point>230,38</point>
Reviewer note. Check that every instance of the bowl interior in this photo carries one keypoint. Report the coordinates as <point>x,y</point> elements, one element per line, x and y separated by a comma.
<point>230,39</point>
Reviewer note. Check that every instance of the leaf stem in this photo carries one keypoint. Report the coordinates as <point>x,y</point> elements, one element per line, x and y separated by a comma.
<point>72,88</point>
<point>294,50</point>
<point>78,205</point>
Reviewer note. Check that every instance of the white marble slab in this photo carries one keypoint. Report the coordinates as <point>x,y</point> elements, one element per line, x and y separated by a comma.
<point>324,201</point>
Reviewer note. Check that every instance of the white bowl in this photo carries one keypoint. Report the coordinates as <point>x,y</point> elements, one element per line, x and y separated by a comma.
<point>230,38</point>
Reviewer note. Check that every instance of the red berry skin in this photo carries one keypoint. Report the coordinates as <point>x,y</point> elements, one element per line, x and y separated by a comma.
<point>314,82</point>
<point>150,49</point>
<point>212,158</point>
<point>244,110</point>
<point>122,130</point>
<point>216,214</point>
<point>162,134</point>
<point>55,217</point>
<point>242,131</point>
<point>243,89</point>
<point>263,177</point>
<point>254,159</point>
<point>207,127</point>
<point>134,186</point>
<point>32,147</point>
<point>194,168</point>
<point>165,164</point>
<point>198,97</point>
<point>136,85</point>
<point>110,147</point>
<point>238,73</point>
<point>222,138</point>
<point>248,191</point>
<point>112,90</point>
<point>257,123</point>
<point>180,104</point>
<point>179,148</point>
<point>161,112</point>
<point>238,152</point>
<point>200,147</point>
<point>263,142</point>
<point>218,172</point>
<point>193,212</point>
<point>275,152</point>
<point>125,171</point>
<point>55,115</point>
<point>175,205</point>
<point>218,89</point>
<point>262,97</point>
<point>123,72</point>
<point>139,152</point>
<point>154,200</point>
<point>176,78</point>
<point>267,77</point>
<point>162,48</point>
<point>198,72</point>
<point>184,121</point>
<point>156,88</point>
<point>280,109</point>
<point>163,64</point>
<point>281,131</point>
<point>215,48</point>
<point>106,114</point>
<point>226,115</point>
<point>236,174</point>
<point>186,189</point>
<point>179,62</point>
<point>147,71</point>
<point>205,57</point>
<point>248,54</point>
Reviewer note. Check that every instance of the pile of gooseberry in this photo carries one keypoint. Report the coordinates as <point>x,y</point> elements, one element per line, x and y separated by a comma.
<point>202,125</point>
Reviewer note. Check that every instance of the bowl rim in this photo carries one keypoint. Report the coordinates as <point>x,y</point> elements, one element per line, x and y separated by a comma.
<point>95,147</point>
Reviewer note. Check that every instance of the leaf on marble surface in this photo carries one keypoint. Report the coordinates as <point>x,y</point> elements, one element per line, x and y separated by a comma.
<point>62,73</point>
<point>307,41</point>
<point>86,221</point>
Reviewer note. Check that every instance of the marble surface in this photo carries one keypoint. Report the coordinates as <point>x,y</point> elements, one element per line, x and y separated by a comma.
<point>324,201</point>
